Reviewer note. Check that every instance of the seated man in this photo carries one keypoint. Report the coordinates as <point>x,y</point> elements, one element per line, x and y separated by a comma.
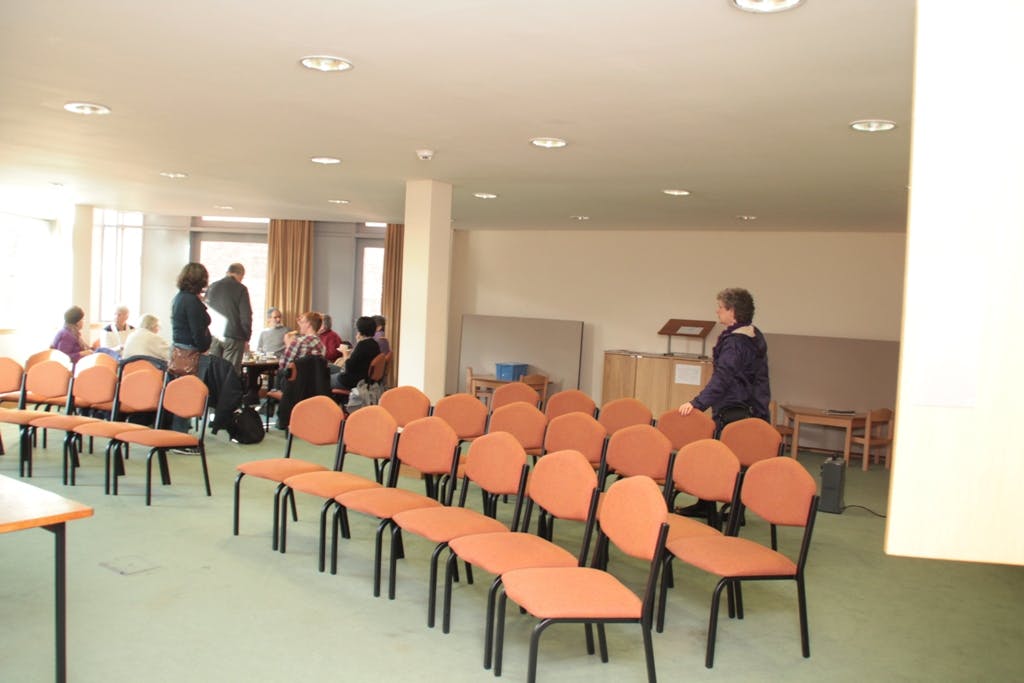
<point>305,342</point>
<point>354,365</point>
<point>271,339</point>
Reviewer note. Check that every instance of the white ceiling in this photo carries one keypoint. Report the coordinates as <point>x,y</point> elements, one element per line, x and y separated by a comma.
<point>749,112</point>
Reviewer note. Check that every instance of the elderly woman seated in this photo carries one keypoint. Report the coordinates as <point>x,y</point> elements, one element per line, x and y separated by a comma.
<point>146,341</point>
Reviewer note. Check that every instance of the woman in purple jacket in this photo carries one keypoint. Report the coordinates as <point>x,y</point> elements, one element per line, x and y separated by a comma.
<point>69,338</point>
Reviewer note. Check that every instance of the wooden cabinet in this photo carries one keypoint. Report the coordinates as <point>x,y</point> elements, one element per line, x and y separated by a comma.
<point>661,382</point>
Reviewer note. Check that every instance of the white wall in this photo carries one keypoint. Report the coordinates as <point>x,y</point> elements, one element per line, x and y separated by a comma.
<point>625,284</point>
<point>334,268</point>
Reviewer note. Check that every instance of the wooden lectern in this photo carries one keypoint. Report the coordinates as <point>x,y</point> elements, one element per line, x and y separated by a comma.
<point>697,329</point>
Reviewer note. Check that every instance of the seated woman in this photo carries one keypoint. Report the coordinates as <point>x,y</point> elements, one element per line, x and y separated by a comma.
<point>331,340</point>
<point>271,340</point>
<point>145,341</point>
<point>69,338</point>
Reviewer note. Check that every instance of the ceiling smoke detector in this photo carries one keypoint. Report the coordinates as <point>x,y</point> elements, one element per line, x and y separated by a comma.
<point>425,154</point>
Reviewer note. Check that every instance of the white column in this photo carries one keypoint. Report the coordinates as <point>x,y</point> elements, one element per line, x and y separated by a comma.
<point>426,284</point>
<point>958,461</point>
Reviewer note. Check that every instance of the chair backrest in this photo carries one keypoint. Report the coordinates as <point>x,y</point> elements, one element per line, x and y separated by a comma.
<point>377,368</point>
<point>186,396</point>
<point>563,484</point>
<point>496,463</point>
<point>370,432</point>
<point>429,445</point>
<point>139,388</point>
<point>405,404</point>
<point>569,401</point>
<point>48,354</point>
<point>623,412</point>
<point>48,379</point>
<point>137,364</point>
<point>11,374</point>
<point>706,469</point>
<point>751,439</point>
<point>94,359</point>
<point>512,393</point>
<point>521,420</point>
<point>632,514</point>
<point>579,432</point>
<point>465,414</point>
<point>317,420</point>
<point>877,423</point>
<point>684,429</point>
<point>94,385</point>
<point>539,383</point>
<point>780,491</point>
<point>638,449</point>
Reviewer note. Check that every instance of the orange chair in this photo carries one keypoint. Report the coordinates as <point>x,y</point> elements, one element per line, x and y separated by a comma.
<point>139,388</point>
<point>92,385</point>
<point>523,421</point>
<point>465,414</point>
<point>562,485</point>
<point>316,420</point>
<point>405,404</point>
<point>637,449</point>
<point>513,392</point>
<point>782,492</point>
<point>752,440</point>
<point>785,430</point>
<point>48,354</point>
<point>369,432</point>
<point>569,401</point>
<point>375,374</point>
<point>633,517</point>
<point>877,435</point>
<point>577,431</point>
<point>623,412</point>
<point>46,385</point>
<point>710,471</point>
<point>11,385</point>
<point>430,446</point>
<point>497,464</point>
<point>94,359</point>
<point>684,429</point>
<point>186,397</point>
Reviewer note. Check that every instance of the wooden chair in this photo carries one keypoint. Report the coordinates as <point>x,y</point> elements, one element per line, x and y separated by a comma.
<point>569,401</point>
<point>623,412</point>
<point>877,436</point>
<point>784,429</point>
<point>539,383</point>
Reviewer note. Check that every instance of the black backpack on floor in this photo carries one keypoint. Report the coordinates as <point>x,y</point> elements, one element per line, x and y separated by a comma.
<point>246,426</point>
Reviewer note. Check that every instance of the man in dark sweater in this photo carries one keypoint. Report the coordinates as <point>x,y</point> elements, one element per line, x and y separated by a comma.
<point>354,365</point>
<point>229,297</point>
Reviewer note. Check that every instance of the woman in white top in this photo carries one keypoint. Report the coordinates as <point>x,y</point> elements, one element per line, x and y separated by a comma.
<point>145,341</point>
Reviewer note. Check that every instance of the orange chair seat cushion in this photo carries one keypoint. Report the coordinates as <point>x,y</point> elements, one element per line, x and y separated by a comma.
<point>278,469</point>
<point>442,524</point>
<point>385,503</point>
<point>38,399</point>
<point>19,417</point>
<point>498,552</point>
<point>680,527</point>
<point>158,438</point>
<point>65,422</point>
<point>571,593</point>
<point>328,483</point>
<point>733,557</point>
<point>102,428</point>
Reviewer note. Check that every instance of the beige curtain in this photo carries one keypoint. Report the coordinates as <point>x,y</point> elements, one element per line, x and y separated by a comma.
<point>391,298</point>
<point>290,268</point>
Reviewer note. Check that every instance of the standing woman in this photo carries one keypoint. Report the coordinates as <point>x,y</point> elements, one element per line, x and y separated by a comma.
<point>190,322</point>
<point>69,338</point>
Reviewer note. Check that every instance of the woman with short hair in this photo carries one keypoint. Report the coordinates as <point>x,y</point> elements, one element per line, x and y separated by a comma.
<point>69,338</point>
<point>145,340</point>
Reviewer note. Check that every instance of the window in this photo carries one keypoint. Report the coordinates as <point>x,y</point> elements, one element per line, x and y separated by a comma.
<point>370,282</point>
<point>117,250</point>
<point>217,251</point>
<point>31,244</point>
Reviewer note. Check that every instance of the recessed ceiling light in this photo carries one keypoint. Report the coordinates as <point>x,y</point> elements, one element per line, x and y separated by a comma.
<point>872,125</point>
<point>485,195</point>
<point>326,161</point>
<point>223,207</point>
<point>677,193</point>
<point>337,201</point>
<point>548,143</point>
<point>580,218</point>
<point>325,63</point>
<point>765,6</point>
<point>376,224</point>
<point>173,174</point>
<point>87,108</point>
<point>745,217</point>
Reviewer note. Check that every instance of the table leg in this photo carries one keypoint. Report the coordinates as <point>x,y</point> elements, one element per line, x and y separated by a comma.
<point>61,598</point>
<point>795,444</point>
<point>848,442</point>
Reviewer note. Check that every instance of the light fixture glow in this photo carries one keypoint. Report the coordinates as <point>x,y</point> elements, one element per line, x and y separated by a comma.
<point>548,143</point>
<point>223,207</point>
<point>87,108</point>
<point>677,193</point>
<point>337,201</point>
<point>485,195</point>
<point>326,161</point>
<point>872,125</point>
<point>746,217</point>
<point>376,224</point>
<point>325,63</point>
<point>765,6</point>
<point>176,175</point>
<point>234,219</point>
<point>580,218</point>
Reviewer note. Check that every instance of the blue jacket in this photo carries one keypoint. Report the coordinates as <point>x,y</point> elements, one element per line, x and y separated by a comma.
<point>740,376</point>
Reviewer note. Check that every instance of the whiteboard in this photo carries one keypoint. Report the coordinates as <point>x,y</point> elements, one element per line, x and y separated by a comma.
<point>548,347</point>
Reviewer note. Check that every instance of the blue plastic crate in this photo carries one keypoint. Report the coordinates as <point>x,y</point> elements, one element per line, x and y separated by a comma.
<point>510,372</point>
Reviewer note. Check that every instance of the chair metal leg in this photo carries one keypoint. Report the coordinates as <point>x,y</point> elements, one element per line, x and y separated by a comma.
<point>652,674</point>
<point>276,522</point>
<point>238,484</point>
<point>492,597</point>
<point>149,475</point>
<point>805,637</point>
<point>602,641</point>
<point>432,595</point>
<point>709,658</point>
<point>206,472</point>
<point>446,609</point>
<point>282,541</point>
<point>322,557</point>
<point>499,635</point>
<point>538,631</point>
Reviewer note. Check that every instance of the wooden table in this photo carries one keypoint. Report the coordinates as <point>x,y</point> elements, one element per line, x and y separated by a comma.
<point>23,506</point>
<point>253,371</point>
<point>820,416</point>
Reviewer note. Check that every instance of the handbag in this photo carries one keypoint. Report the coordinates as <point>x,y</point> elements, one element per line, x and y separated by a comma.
<point>183,361</point>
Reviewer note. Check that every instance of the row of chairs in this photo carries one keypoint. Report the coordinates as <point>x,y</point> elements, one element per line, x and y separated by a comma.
<point>497,464</point>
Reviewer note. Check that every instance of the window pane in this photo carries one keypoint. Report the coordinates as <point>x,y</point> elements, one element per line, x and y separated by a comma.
<point>373,280</point>
<point>218,254</point>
